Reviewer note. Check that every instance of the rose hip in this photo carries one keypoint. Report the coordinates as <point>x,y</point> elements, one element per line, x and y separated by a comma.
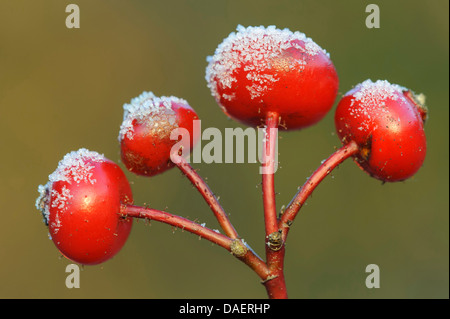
<point>145,134</point>
<point>387,122</point>
<point>257,71</point>
<point>81,204</point>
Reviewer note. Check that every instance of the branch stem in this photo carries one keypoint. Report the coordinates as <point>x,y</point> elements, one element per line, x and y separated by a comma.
<point>248,256</point>
<point>209,197</point>
<point>313,181</point>
<point>268,172</point>
<point>275,284</point>
<point>177,221</point>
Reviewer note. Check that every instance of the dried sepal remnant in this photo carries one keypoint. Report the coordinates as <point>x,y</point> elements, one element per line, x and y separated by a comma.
<point>42,202</point>
<point>419,101</point>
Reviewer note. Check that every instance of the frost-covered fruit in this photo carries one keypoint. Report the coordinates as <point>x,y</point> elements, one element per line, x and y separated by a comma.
<point>145,133</point>
<point>256,71</point>
<point>81,204</point>
<point>387,122</point>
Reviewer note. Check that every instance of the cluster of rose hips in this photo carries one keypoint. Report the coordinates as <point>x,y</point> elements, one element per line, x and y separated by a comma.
<point>261,77</point>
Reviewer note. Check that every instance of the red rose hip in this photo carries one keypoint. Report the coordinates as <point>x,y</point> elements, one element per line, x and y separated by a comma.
<point>145,133</point>
<point>387,122</point>
<point>257,71</point>
<point>81,204</point>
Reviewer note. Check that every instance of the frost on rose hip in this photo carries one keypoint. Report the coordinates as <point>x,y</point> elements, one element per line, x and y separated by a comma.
<point>145,133</point>
<point>258,70</point>
<point>387,122</point>
<point>81,205</point>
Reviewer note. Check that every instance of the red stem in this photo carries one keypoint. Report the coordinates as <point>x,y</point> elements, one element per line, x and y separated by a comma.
<point>313,181</point>
<point>275,284</point>
<point>209,197</point>
<point>271,274</point>
<point>248,257</point>
<point>268,183</point>
<point>179,222</point>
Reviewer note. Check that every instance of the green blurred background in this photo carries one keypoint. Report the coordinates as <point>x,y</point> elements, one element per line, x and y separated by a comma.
<point>62,89</point>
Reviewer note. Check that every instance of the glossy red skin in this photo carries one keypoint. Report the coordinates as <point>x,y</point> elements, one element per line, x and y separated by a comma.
<point>92,230</point>
<point>393,148</point>
<point>300,97</point>
<point>148,152</point>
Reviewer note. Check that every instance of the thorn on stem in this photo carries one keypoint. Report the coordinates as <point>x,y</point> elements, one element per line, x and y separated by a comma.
<point>268,278</point>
